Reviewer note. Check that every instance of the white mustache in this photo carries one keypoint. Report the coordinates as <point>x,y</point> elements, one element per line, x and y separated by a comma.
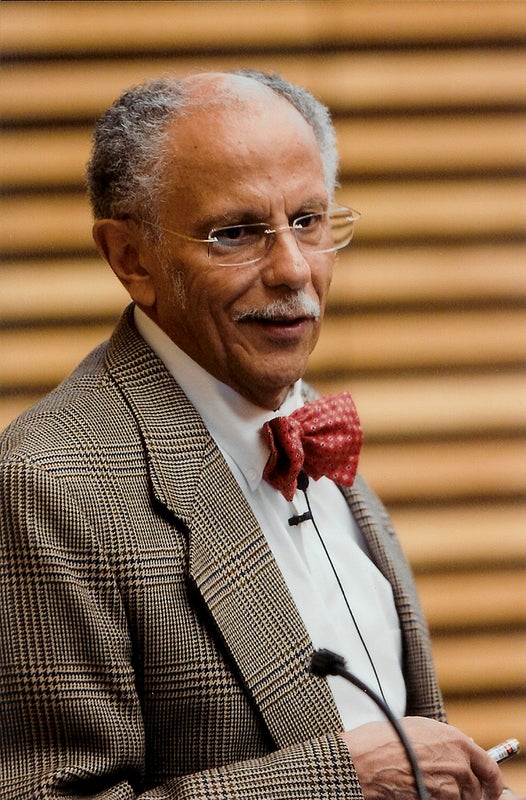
<point>291,306</point>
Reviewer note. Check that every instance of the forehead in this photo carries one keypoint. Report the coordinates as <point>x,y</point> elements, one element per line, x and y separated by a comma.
<point>236,120</point>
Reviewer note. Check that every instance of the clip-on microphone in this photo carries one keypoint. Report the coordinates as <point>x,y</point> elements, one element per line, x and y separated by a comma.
<point>302,484</point>
<point>325,662</point>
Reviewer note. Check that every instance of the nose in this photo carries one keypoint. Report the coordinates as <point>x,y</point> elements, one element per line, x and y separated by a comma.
<point>285,264</point>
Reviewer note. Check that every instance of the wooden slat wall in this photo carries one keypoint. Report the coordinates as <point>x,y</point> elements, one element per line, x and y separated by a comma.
<point>426,325</point>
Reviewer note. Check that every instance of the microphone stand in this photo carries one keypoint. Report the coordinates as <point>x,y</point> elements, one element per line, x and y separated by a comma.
<point>325,662</point>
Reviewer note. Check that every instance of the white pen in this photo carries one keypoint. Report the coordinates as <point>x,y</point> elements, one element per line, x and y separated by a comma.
<point>504,750</point>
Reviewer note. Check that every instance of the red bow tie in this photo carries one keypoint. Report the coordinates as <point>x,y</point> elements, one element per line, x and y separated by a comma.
<point>323,438</point>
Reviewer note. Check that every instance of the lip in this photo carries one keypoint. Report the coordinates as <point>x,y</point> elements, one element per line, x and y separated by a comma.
<point>282,329</point>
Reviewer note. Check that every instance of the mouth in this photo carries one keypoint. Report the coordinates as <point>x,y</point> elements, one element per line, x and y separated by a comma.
<point>287,311</point>
<point>287,319</point>
<point>280,331</point>
<point>276,322</point>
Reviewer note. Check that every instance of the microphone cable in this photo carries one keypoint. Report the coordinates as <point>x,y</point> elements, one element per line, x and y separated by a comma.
<point>302,485</point>
<point>325,662</point>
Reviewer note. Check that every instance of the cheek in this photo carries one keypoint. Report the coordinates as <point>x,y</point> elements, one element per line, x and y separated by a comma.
<point>321,275</point>
<point>210,297</point>
<point>216,289</point>
<point>176,290</point>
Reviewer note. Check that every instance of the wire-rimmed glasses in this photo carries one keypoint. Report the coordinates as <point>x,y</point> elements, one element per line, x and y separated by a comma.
<point>315,232</point>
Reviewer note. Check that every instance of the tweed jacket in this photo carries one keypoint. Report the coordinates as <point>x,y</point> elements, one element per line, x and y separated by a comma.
<point>149,645</point>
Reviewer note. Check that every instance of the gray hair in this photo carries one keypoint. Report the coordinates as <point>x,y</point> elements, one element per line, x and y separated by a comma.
<point>126,169</point>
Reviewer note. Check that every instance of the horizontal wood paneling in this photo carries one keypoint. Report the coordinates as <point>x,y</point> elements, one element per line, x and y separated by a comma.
<point>420,340</point>
<point>430,275</point>
<point>481,662</point>
<point>446,470</point>
<point>361,82</point>
<point>447,610</point>
<point>41,28</point>
<point>463,536</point>
<point>48,290</point>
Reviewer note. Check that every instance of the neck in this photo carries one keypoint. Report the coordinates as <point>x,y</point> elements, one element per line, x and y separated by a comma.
<point>268,401</point>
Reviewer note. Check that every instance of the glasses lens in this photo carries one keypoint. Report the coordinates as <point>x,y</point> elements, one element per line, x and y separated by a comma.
<point>238,244</point>
<point>342,226</point>
<point>326,231</point>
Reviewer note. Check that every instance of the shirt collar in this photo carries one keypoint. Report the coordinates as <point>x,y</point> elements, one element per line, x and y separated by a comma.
<point>234,422</point>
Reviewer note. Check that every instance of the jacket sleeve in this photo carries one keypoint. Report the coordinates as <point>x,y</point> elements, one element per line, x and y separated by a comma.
<point>71,721</point>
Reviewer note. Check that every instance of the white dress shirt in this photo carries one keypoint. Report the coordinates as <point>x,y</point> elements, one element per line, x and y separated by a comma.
<point>235,424</point>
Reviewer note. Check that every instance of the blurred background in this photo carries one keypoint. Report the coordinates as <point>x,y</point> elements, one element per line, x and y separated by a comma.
<point>426,325</point>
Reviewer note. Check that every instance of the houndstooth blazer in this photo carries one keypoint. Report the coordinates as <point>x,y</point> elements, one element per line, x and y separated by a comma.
<point>149,646</point>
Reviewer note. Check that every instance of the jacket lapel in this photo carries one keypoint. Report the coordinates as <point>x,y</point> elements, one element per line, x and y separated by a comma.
<point>230,562</point>
<point>243,588</point>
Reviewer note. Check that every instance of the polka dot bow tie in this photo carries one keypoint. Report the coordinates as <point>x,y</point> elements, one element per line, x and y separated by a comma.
<point>322,438</point>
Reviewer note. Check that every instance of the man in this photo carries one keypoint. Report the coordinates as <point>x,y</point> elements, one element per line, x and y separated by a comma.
<point>162,597</point>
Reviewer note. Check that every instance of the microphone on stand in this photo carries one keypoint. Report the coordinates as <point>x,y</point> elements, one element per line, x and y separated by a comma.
<point>325,662</point>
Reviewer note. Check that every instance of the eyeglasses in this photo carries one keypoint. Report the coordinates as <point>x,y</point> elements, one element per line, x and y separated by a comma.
<point>316,232</point>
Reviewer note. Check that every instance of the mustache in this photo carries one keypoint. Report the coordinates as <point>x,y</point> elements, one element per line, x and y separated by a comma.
<point>289,307</point>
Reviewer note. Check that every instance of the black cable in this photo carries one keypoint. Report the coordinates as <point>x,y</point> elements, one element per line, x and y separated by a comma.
<point>303,482</point>
<point>325,662</point>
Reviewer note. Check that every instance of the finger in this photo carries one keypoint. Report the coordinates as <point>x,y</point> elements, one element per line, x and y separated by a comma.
<point>487,772</point>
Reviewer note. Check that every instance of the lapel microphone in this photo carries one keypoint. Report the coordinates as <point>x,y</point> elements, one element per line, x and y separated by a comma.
<point>325,662</point>
<point>302,484</point>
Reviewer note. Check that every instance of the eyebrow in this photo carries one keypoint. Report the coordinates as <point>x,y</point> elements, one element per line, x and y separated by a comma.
<point>207,224</point>
<point>248,215</point>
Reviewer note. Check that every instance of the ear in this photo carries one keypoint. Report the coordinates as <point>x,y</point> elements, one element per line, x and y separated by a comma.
<point>118,243</point>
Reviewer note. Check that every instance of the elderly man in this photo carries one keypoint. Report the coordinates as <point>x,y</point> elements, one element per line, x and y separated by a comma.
<point>168,567</point>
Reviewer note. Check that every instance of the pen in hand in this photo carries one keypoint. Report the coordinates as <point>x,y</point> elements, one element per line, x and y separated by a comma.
<point>507,749</point>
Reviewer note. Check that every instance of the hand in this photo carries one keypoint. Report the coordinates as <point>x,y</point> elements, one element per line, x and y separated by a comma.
<point>453,766</point>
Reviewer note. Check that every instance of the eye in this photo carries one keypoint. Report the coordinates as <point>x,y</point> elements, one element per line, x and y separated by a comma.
<point>237,235</point>
<point>308,220</point>
<point>309,225</point>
